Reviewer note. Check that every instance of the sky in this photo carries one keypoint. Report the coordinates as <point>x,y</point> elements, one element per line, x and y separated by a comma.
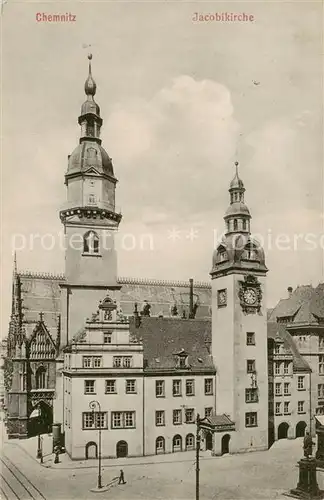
<point>181,102</point>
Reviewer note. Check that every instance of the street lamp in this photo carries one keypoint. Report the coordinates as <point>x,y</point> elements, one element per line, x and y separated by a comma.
<point>93,405</point>
<point>198,437</point>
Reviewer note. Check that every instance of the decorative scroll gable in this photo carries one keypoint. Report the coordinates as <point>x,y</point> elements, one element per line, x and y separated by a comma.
<point>41,345</point>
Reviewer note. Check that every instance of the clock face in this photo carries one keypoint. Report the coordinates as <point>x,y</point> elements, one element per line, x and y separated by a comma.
<point>250,296</point>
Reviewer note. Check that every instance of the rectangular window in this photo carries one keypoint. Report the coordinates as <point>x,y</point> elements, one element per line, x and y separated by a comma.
<point>89,387</point>
<point>301,407</point>
<point>320,391</point>
<point>250,366</point>
<point>286,407</point>
<point>286,388</point>
<point>159,388</point>
<point>278,389</point>
<point>159,417</point>
<point>278,408</point>
<point>117,361</point>
<point>129,419</point>
<point>251,419</point>
<point>209,386</point>
<point>300,383</point>
<point>251,395</point>
<point>111,387</point>
<point>94,420</point>
<point>131,386</point>
<point>183,361</point>
<point>208,411</point>
<point>177,417</point>
<point>286,367</point>
<point>86,361</point>
<point>123,420</point>
<point>107,338</point>
<point>250,338</point>
<point>116,420</point>
<point>127,361</point>
<point>190,415</point>
<point>321,364</point>
<point>190,387</point>
<point>97,361</point>
<point>277,349</point>
<point>176,388</point>
<point>277,368</point>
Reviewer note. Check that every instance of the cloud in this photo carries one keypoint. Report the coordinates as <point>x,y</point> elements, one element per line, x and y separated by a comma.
<point>179,143</point>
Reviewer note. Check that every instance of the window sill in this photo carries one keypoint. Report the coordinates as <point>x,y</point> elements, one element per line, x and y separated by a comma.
<point>177,423</point>
<point>90,393</point>
<point>130,393</point>
<point>177,395</point>
<point>287,414</point>
<point>160,395</point>
<point>251,402</point>
<point>220,306</point>
<point>278,414</point>
<point>249,426</point>
<point>85,254</point>
<point>303,389</point>
<point>301,412</point>
<point>159,425</point>
<point>112,392</point>
<point>209,394</point>
<point>122,428</point>
<point>189,395</point>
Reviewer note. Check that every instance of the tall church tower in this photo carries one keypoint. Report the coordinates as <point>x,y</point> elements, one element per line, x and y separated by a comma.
<point>90,221</point>
<point>239,326</point>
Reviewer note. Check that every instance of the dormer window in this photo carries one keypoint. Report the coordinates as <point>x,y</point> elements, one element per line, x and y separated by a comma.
<point>91,243</point>
<point>182,361</point>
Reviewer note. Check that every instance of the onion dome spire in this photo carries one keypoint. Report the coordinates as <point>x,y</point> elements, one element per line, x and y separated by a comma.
<point>89,119</point>
<point>90,86</point>
<point>237,216</point>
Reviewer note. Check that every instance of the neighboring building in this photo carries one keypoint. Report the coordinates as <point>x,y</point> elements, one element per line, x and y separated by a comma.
<point>296,361</point>
<point>190,348</point>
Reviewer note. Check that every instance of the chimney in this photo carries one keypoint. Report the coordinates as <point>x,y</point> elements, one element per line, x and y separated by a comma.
<point>290,291</point>
<point>191,307</point>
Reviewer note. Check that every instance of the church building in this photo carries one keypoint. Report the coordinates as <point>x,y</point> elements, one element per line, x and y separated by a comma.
<point>139,360</point>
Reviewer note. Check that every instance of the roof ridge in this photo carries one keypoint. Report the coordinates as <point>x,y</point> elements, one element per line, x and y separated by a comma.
<point>122,280</point>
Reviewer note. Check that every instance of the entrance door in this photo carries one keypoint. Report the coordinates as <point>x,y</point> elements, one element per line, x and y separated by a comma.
<point>225,443</point>
<point>209,441</point>
<point>300,429</point>
<point>121,449</point>
<point>283,430</point>
<point>91,450</point>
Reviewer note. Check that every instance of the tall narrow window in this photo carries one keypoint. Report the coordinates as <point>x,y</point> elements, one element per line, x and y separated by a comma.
<point>41,378</point>
<point>235,225</point>
<point>91,242</point>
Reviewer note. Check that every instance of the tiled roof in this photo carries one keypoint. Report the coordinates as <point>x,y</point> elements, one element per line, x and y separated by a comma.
<point>304,304</point>
<point>164,338</point>
<point>277,331</point>
<point>218,421</point>
<point>40,292</point>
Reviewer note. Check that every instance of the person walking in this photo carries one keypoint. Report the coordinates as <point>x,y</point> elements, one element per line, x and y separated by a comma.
<point>121,477</point>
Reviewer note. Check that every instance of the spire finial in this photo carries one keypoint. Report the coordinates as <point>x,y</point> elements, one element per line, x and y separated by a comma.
<point>90,85</point>
<point>236,167</point>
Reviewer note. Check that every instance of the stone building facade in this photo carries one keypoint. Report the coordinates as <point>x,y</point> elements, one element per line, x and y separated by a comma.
<point>155,354</point>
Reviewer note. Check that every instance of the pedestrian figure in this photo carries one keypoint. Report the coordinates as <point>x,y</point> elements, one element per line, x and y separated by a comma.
<point>121,477</point>
<point>56,452</point>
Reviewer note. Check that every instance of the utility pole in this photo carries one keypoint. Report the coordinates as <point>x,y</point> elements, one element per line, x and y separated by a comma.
<point>197,456</point>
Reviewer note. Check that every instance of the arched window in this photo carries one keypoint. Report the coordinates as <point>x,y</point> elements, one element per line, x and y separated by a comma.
<point>160,445</point>
<point>41,382</point>
<point>235,224</point>
<point>177,443</point>
<point>91,242</point>
<point>190,442</point>
<point>244,225</point>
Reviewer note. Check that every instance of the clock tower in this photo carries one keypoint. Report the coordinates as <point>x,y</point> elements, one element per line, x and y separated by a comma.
<point>90,221</point>
<point>239,326</point>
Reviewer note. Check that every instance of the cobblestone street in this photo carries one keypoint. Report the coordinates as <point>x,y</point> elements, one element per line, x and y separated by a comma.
<point>258,475</point>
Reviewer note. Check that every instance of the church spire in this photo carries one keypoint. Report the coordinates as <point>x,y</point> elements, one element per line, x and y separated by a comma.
<point>90,119</point>
<point>237,217</point>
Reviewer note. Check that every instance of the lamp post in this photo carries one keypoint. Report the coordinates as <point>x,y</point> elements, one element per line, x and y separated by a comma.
<point>39,441</point>
<point>93,405</point>
<point>198,437</point>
